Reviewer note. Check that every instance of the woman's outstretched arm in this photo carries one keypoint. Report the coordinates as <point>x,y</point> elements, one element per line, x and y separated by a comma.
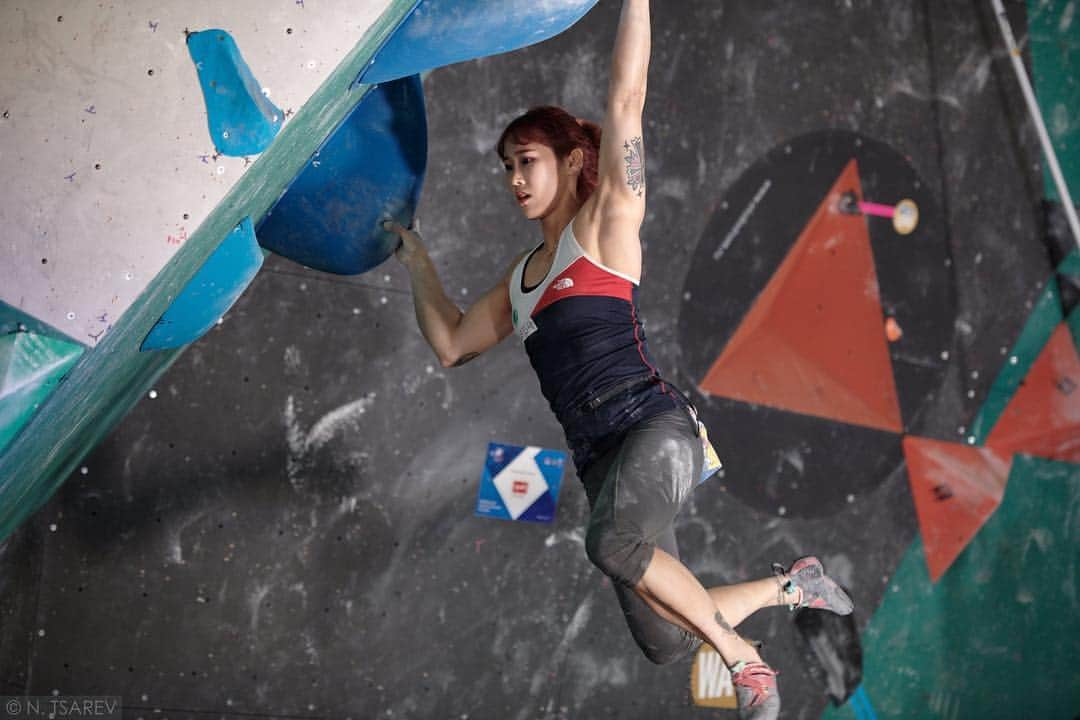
<point>630,61</point>
<point>617,208</point>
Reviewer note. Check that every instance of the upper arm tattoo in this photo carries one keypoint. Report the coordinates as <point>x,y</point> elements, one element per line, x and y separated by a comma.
<point>635,165</point>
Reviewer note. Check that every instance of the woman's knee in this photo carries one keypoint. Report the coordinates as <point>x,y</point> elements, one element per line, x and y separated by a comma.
<point>622,556</point>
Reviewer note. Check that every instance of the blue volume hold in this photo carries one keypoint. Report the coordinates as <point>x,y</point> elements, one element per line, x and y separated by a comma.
<point>211,292</point>
<point>242,120</point>
<point>443,32</point>
<point>370,169</point>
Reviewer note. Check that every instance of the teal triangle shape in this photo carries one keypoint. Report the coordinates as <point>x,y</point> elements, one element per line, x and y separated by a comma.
<point>1070,266</point>
<point>1044,319</point>
<point>31,366</point>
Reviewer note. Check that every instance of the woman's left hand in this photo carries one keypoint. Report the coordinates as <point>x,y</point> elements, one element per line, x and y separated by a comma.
<point>411,245</point>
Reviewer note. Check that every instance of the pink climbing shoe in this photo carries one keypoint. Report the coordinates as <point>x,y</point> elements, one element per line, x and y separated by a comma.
<point>819,591</point>
<point>755,690</point>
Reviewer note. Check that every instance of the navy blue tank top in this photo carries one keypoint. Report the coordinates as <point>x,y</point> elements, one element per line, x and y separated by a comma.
<point>584,339</point>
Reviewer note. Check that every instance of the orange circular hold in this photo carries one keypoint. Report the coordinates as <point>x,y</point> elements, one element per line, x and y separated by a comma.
<point>893,330</point>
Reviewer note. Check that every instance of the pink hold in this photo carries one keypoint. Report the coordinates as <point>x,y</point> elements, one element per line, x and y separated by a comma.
<point>876,209</point>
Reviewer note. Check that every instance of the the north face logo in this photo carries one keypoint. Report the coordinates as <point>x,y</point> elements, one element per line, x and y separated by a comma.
<point>563,284</point>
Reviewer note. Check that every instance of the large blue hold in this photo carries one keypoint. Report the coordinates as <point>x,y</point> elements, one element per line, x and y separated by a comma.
<point>242,120</point>
<point>443,32</point>
<point>211,292</point>
<point>371,168</point>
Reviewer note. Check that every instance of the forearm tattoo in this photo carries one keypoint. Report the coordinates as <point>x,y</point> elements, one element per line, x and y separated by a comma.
<point>635,165</point>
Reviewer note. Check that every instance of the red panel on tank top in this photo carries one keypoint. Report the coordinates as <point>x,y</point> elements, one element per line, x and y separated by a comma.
<point>584,278</point>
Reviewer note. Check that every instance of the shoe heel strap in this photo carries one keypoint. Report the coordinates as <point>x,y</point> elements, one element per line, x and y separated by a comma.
<point>784,587</point>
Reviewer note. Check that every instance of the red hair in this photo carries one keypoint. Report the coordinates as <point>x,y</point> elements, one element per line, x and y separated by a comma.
<point>562,132</point>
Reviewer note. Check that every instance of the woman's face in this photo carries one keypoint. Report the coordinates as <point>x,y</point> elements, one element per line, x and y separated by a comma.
<point>533,174</point>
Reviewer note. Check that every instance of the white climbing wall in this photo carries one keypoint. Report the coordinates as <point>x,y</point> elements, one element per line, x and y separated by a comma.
<point>108,161</point>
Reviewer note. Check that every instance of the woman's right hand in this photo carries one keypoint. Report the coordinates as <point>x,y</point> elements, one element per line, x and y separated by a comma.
<point>411,245</point>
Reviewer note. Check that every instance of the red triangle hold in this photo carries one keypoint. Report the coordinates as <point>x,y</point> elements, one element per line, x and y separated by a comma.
<point>956,488</point>
<point>813,342</point>
<point>1043,417</point>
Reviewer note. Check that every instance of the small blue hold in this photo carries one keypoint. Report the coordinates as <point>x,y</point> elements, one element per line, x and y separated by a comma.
<point>211,292</point>
<point>242,120</point>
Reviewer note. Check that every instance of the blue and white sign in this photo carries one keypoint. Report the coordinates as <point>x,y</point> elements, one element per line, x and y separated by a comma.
<point>520,483</point>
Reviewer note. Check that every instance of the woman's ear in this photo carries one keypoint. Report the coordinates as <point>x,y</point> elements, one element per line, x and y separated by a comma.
<point>576,159</point>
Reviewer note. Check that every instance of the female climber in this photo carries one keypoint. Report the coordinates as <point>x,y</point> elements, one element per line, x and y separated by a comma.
<point>572,301</point>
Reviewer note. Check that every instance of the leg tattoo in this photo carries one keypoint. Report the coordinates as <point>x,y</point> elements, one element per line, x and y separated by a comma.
<point>724,624</point>
<point>728,630</point>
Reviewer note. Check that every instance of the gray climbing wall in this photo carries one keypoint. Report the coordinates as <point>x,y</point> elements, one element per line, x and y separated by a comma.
<point>286,528</point>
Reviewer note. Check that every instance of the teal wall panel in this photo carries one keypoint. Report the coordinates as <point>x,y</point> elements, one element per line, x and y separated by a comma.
<point>1054,32</point>
<point>996,636</point>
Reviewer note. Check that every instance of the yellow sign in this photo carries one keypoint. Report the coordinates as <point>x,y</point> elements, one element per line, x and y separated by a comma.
<point>710,680</point>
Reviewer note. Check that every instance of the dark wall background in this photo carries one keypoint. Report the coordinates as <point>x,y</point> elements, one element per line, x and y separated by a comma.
<point>286,530</point>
